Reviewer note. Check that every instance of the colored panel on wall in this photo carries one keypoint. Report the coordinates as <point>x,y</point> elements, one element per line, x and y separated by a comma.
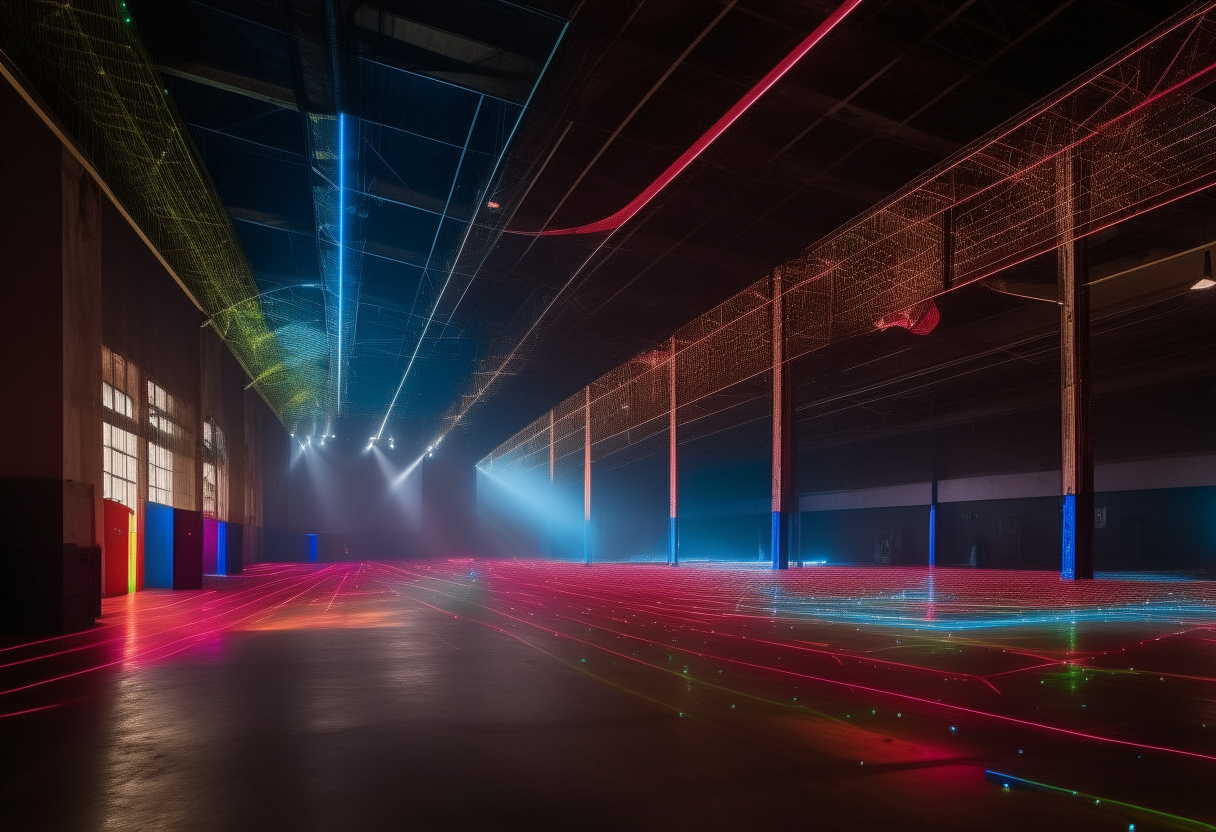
<point>234,560</point>
<point>211,546</point>
<point>187,549</point>
<point>117,543</point>
<point>221,548</point>
<point>139,520</point>
<point>158,546</point>
<point>132,554</point>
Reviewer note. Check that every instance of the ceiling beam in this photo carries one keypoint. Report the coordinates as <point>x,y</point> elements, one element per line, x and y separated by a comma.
<point>222,79</point>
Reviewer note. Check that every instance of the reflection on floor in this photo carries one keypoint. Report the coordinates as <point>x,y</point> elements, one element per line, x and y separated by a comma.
<point>493,694</point>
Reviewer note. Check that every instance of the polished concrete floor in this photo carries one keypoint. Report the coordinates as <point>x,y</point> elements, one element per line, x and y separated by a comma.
<point>514,695</point>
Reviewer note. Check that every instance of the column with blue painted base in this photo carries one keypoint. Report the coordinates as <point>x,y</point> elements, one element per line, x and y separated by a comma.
<point>784,502</point>
<point>1076,439</point>
<point>550,548</point>
<point>933,503</point>
<point>673,467</point>
<point>587,477</point>
<point>933,532</point>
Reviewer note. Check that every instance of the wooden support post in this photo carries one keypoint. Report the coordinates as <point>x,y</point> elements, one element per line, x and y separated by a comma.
<point>784,499</point>
<point>552,490</point>
<point>673,468</point>
<point>1076,439</point>
<point>587,477</point>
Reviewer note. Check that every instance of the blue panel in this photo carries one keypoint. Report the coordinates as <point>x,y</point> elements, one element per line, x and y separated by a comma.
<point>158,546</point>
<point>311,540</point>
<point>221,548</point>
<point>1068,537</point>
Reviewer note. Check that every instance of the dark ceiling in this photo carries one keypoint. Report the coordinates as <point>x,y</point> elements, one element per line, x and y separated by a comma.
<point>898,87</point>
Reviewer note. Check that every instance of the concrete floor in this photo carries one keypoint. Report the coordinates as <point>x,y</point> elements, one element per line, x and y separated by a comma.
<point>498,695</point>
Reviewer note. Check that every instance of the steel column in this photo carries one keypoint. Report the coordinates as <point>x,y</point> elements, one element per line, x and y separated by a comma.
<point>1076,439</point>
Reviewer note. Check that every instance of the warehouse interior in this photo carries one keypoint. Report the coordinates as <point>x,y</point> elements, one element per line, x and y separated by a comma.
<point>578,414</point>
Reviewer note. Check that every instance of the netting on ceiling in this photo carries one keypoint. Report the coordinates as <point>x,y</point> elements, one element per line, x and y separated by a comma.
<point>86,62</point>
<point>1144,129</point>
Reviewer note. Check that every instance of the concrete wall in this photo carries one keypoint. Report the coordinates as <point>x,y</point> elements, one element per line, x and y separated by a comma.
<point>76,277</point>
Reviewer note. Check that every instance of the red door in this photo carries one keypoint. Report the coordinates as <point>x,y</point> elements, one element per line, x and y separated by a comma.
<point>117,518</point>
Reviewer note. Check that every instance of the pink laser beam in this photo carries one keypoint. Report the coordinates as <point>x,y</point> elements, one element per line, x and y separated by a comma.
<point>711,135</point>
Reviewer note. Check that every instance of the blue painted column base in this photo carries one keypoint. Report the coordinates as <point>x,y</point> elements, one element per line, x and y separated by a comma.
<point>1068,539</point>
<point>673,541</point>
<point>933,534</point>
<point>587,542</point>
<point>780,540</point>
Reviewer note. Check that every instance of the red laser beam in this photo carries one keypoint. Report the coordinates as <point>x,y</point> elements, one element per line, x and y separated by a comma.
<point>711,135</point>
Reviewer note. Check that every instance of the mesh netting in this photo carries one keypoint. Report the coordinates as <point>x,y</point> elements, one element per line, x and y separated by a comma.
<point>85,61</point>
<point>1139,122</point>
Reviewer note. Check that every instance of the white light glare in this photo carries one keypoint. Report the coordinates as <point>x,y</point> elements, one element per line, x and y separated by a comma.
<point>1205,283</point>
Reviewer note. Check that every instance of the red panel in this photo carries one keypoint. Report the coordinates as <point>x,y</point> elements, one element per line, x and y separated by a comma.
<point>116,543</point>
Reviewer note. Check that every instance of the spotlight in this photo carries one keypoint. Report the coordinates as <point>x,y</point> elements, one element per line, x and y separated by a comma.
<point>492,204</point>
<point>1204,283</point>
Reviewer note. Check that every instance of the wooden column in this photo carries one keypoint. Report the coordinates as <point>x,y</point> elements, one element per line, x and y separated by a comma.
<point>784,498</point>
<point>1076,439</point>
<point>587,476</point>
<point>673,468</point>
<point>552,490</point>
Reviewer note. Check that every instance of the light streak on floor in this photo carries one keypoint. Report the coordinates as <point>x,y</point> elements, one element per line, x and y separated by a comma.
<point>617,696</point>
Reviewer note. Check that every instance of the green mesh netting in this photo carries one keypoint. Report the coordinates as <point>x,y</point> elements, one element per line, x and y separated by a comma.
<point>86,62</point>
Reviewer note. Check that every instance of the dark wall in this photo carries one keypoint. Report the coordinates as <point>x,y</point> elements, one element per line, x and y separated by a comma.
<point>30,261</point>
<point>360,502</point>
<point>146,317</point>
<point>78,277</point>
<point>629,507</point>
<point>346,494</point>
